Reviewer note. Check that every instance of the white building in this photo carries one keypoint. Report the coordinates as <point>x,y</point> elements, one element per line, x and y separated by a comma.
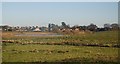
<point>37,30</point>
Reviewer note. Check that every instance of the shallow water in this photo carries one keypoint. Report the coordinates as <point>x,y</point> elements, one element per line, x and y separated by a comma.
<point>38,35</point>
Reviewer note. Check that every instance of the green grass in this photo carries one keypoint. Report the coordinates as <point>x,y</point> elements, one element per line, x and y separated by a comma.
<point>15,52</point>
<point>108,37</point>
<point>50,53</point>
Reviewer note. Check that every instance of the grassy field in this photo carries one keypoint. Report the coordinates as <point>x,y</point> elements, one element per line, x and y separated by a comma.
<point>107,37</point>
<point>53,53</point>
<point>35,52</point>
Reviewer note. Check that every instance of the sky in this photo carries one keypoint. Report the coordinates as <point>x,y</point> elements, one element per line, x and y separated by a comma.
<point>59,0</point>
<point>0,13</point>
<point>72,13</point>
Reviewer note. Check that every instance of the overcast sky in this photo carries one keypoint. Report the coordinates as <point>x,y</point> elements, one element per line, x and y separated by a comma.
<point>74,13</point>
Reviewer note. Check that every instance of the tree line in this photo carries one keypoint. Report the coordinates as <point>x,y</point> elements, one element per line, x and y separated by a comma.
<point>53,27</point>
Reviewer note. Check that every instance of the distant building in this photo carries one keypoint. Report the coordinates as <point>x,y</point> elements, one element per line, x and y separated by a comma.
<point>5,28</point>
<point>53,27</point>
<point>37,30</point>
<point>115,26</point>
<point>107,26</point>
<point>43,29</point>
